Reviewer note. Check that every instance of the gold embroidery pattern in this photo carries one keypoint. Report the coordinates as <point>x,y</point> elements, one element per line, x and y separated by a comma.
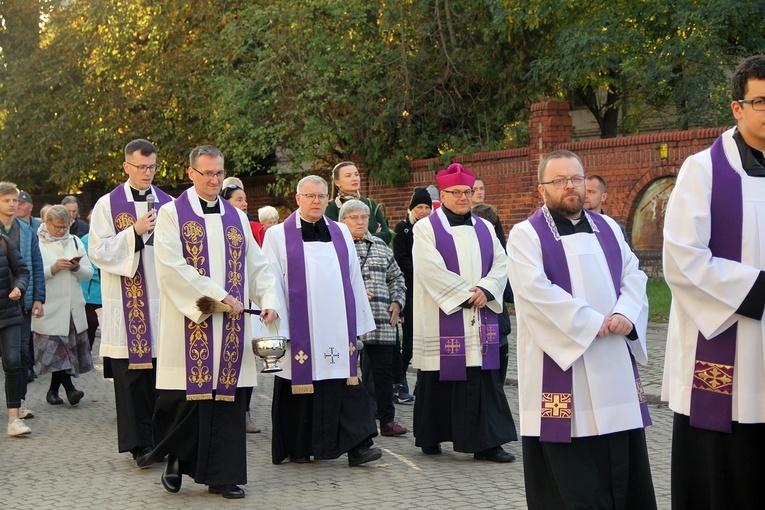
<point>713,377</point>
<point>556,405</point>
<point>134,292</point>
<point>453,346</point>
<point>123,221</point>
<point>640,391</point>
<point>301,357</point>
<point>199,352</point>
<point>194,238</point>
<point>351,348</point>
<point>231,343</point>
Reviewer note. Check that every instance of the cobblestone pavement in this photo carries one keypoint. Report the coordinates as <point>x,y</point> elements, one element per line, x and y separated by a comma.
<point>70,461</point>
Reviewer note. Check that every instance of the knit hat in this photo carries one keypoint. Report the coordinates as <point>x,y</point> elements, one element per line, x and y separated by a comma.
<point>455,175</point>
<point>420,196</point>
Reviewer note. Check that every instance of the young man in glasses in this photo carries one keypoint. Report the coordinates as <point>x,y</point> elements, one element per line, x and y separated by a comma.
<point>205,248</point>
<point>459,281</point>
<point>714,263</point>
<point>582,313</point>
<point>120,244</point>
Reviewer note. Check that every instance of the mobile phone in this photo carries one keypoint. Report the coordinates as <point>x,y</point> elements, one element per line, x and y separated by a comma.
<point>75,259</point>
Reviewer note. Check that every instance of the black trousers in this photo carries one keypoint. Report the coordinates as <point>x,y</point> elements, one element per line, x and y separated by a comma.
<point>378,359</point>
<point>206,436</point>
<point>714,470</point>
<point>135,397</point>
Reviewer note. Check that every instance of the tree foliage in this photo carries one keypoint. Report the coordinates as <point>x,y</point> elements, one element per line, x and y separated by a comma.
<point>302,84</point>
<point>645,56</point>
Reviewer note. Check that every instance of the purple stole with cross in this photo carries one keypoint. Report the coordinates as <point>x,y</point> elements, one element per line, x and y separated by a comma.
<point>712,389</point>
<point>453,363</point>
<point>199,337</point>
<point>135,303</point>
<point>557,398</point>
<point>300,333</point>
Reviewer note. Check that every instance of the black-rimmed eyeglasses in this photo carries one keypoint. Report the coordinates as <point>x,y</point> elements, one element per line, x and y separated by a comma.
<point>560,182</point>
<point>758,103</point>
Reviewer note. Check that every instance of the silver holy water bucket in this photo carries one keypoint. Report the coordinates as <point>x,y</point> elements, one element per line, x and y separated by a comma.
<point>271,349</point>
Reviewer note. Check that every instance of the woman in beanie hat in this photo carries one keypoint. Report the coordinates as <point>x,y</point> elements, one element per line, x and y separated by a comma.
<point>420,206</point>
<point>346,183</point>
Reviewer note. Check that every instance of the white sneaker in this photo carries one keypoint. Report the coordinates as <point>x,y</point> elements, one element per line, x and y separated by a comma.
<point>18,428</point>
<point>24,411</point>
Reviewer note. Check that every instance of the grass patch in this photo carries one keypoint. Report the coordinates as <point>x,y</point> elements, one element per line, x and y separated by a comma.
<point>659,299</point>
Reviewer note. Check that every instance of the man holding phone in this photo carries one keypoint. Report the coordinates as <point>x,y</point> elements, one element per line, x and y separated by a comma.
<point>121,228</point>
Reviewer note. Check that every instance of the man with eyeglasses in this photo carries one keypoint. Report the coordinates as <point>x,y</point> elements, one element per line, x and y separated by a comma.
<point>459,281</point>
<point>204,248</point>
<point>582,312</point>
<point>319,408</point>
<point>120,245</point>
<point>714,263</point>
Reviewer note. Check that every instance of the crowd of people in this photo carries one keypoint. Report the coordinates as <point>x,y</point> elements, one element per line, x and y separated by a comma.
<point>359,303</point>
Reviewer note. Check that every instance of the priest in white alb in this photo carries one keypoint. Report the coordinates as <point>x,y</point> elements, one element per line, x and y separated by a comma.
<point>121,245</point>
<point>320,410</point>
<point>582,313</point>
<point>204,248</point>
<point>714,263</point>
<point>459,281</point>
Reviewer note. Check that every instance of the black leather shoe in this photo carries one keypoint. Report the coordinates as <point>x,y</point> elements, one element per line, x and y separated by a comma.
<point>431,450</point>
<point>143,457</point>
<point>171,475</point>
<point>362,455</point>
<point>74,396</point>
<point>227,491</point>
<point>300,460</point>
<point>53,398</point>
<point>496,454</point>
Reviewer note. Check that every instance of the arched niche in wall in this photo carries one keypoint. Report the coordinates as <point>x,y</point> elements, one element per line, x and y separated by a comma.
<point>648,219</point>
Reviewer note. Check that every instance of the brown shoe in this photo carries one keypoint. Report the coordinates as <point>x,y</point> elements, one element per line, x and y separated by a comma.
<point>393,429</point>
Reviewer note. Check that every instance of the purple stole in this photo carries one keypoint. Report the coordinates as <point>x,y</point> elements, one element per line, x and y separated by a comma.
<point>712,389</point>
<point>300,334</point>
<point>200,337</point>
<point>557,398</point>
<point>135,305</point>
<point>453,363</point>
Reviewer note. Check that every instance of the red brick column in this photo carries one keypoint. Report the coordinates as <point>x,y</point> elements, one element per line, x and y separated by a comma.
<point>550,126</point>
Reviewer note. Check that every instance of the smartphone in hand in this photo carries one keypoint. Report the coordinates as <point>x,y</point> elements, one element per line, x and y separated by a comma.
<point>75,259</point>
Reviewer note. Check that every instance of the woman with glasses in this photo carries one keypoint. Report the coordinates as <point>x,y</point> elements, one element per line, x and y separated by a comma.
<point>61,335</point>
<point>346,184</point>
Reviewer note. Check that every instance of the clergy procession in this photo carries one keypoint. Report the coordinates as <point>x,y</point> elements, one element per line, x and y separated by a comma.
<point>337,304</point>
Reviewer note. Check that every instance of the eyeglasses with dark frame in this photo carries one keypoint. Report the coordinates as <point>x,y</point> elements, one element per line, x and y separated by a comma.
<point>560,182</point>
<point>457,193</point>
<point>143,168</point>
<point>314,196</point>
<point>758,103</point>
<point>209,175</point>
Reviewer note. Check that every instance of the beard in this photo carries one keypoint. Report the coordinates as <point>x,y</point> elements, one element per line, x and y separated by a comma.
<point>566,207</point>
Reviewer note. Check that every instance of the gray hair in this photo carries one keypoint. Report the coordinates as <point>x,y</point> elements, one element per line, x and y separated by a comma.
<point>352,206</point>
<point>203,150</point>
<point>314,179</point>
<point>58,212</point>
<point>70,199</point>
<point>268,213</point>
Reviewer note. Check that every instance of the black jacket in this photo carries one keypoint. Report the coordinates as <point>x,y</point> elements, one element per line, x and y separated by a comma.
<point>402,252</point>
<point>13,273</point>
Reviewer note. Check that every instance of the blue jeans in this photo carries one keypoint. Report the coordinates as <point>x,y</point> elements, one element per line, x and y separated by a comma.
<point>10,350</point>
